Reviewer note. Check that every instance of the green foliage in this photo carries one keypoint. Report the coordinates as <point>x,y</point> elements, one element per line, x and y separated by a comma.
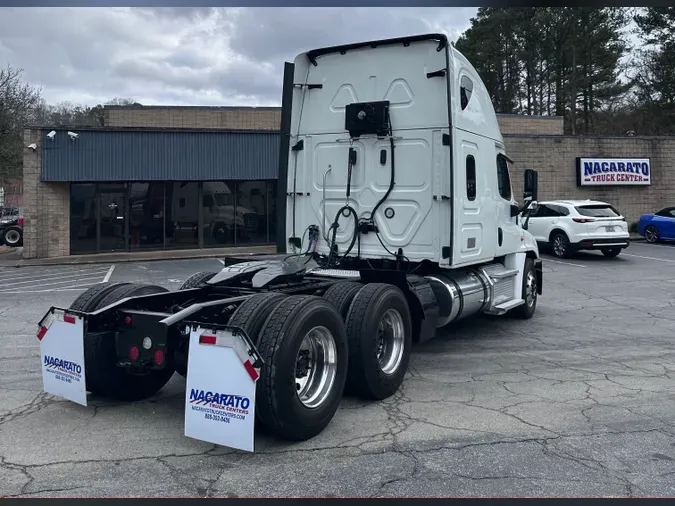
<point>546,60</point>
<point>22,105</point>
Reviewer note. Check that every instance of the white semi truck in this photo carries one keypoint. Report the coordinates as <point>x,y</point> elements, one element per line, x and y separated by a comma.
<point>400,218</point>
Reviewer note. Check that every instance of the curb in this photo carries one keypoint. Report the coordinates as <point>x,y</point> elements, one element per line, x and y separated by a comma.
<point>154,256</point>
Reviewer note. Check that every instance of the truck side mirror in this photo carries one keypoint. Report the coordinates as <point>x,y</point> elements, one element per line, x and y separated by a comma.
<point>531,185</point>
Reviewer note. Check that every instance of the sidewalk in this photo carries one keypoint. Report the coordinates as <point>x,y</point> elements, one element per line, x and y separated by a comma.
<point>13,258</point>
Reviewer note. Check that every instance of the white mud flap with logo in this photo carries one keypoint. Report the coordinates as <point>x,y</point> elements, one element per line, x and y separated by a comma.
<point>61,337</point>
<point>223,368</point>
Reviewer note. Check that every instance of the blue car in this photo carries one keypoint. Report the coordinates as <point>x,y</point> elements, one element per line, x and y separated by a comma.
<point>659,226</point>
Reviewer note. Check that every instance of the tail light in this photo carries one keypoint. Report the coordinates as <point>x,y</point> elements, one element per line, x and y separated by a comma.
<point>582,220</point>
<point>20,222</point>
<point>159,357</point>
<point>134,353</point>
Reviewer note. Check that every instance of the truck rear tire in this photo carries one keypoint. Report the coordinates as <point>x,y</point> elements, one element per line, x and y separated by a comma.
<point>103,377</point>
<point>342,294</point>
<point>196,280</point>
<point>252,314</point>
<point>296,402</point>
<point>379,330</point>
<point>89,299</point>
<point>529,293</point>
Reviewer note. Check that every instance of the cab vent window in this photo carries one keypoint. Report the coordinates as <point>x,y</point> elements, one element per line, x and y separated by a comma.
<point>470,178</point>
<point>465,90</point>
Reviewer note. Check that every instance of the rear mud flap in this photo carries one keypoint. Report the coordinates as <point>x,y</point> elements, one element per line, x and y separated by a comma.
<point>223,369</point>
<point>539,274</point>
<point>61,336</point>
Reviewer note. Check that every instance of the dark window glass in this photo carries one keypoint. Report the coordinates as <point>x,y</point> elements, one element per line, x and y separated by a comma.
<point>272,210</point>
<point>563,211</point>
<point>546,211</point>
<point>470,178</point>
<point>252,210</point>
<point>146,215</point>
<point>218,211</point>
<point>503,179</point>
<point>465,90</point>
<point>83,209</point>
<point>113,217</point>
<point>182,215</point>
<point>668,212</point>
<point>598,211</point>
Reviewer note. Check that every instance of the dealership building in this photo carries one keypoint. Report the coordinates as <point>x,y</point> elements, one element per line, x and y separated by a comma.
<point>178,178</point>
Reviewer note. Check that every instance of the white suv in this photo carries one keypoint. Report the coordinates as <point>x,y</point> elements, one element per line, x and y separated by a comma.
<point>571,225</point>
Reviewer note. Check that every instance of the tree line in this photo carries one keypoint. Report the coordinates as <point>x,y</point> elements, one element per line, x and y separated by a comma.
<point>22,105</point>
<point>579,63</point>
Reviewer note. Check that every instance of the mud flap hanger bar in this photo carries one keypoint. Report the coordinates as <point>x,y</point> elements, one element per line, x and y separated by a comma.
<point>251,351</point>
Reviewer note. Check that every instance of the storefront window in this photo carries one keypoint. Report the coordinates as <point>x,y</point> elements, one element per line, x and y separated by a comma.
<point>272,210</point>
<point>83,218</point>
<point>218,214</point>
<point>252,211</point>
<point>146,216</point>
<point>182,215</point>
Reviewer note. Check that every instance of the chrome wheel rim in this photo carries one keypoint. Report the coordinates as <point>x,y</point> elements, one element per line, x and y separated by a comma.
<point>650,235</point>
<point>530,289</point>
<point>390,337</point>
<point>12,237</point>
<point>316,367</point>
<point>559,246</point>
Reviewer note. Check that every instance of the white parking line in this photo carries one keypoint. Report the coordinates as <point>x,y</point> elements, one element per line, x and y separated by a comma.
<point>50,290</point>
<point>59,279</point>
<point>221,261</point>
<point>94,280</point>
<point>107,276</point>
<point>546,259</point>
<point>47,274</point>
<point>650,258</point>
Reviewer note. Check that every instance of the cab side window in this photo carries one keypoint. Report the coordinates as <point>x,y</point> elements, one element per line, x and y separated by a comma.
<point>503,179</point>
<point>465,90</point>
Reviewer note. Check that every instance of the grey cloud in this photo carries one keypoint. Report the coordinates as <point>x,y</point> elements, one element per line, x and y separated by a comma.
<point>200,56</point>
<point>281,33</point>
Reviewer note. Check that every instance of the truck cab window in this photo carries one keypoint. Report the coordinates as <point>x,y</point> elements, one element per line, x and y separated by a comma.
<point>470,178</point>
<point>503,179</point>
<point>465,89</point>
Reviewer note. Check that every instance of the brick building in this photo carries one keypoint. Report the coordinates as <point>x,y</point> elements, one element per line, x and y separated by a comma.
<point>198,177</point>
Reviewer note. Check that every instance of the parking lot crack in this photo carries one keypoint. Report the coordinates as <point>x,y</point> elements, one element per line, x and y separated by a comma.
<point>38,402</point>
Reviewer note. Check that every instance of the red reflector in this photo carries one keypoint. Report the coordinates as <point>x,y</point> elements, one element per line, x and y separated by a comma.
<point>68,319</point>
<point>251,370</point>
<point>134,353</point>
<point>127,320</point>
<point>207,339</point>
<point>41,333</point>
<point>159,357</point>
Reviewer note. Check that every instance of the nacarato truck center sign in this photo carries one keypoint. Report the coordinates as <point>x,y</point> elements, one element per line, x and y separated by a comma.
<point>613,171</point>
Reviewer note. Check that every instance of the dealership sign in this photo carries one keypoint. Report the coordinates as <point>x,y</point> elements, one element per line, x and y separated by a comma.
<point>613,171</point>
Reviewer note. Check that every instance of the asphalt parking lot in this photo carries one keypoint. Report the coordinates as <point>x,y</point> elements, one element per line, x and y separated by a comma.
<point>578,401</point>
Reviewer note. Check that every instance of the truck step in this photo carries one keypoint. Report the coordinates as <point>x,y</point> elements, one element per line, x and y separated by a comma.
<point>498,271</point>
<point>502,289</point>
<point>334,273</point>
<point>506,306</point>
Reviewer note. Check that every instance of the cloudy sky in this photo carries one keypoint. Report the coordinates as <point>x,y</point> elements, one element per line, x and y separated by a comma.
<point>189,56</point>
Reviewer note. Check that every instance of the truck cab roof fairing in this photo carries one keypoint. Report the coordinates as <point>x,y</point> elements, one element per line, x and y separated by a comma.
<point>314,53</point>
